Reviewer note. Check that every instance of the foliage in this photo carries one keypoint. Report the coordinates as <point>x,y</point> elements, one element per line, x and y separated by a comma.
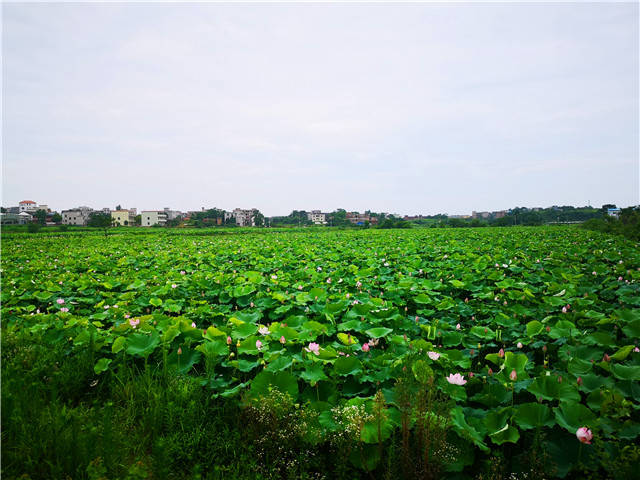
<point>331,344</point>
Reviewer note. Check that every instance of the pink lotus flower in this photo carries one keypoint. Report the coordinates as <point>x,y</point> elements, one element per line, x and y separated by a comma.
<point>519,345</point>
<point>365,347</point>
<point>513,375</point>
<point>126,315</point>
<point>584,435</point>
<point>456,379</point>
<point>313,348</point>
<point>182,272</point>
<point>134,322</point>
<point>258,344</point>
<point>263,331</point>
<point>501,353</point>
<point>619,279</point>
<point>593,273</point>
<point>179,350</point>
<point>579,381</point>
<point>490,372</point>
<point>606,358</point>
<point>636,350</point>
<point>60,301</point>
<point>193,324</point>
<point>173,285</point>
<point>433,355</point>
<point>458,327</point>
<point>283,340</point>
<point>229,340</point>
<point>64,309</point>
<point>564,309</point>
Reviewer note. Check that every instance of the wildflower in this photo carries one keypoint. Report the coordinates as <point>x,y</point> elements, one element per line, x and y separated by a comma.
<point>519,345</point>
<point>64,309</point>
<point>584,435</point>
<point>173,285</point>
<point>456,379</point>
<point>134,322</point>
<point>433,355</point>
<point>60,301</point>
<point>258,344</point>
<point>513,375</point>
<point>365,347</point>
<point>282,340</point>
<point>263,331</point>
<point>501,353</point>
<point>313,347</point>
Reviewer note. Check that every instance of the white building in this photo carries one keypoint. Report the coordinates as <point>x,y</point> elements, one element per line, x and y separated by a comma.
<point>244,218</point>
<point>149,218</point>
<point>27,206</point>
<point>317,217</point>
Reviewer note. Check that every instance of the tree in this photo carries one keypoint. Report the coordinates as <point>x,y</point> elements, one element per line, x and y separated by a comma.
<point>258,219</point>
<point>100,220</point>
<point>41,216</point>
<point>137,220</point>
<point>56,218</point>
<point>118,208</point>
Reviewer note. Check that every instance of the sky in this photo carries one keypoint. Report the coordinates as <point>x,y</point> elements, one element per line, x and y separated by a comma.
<point>400,108</point>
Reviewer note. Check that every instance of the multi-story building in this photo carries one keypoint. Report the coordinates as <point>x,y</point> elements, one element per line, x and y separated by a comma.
<point>15,218</point>
<point>317,217</point>
<point>77,216</point>
<point>149,218</point>
<point>172,214</point>
<point>123,218</point>
<point>244,218</point>
<point>27,206</point>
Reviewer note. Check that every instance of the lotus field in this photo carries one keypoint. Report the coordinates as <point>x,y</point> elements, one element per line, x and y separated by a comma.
<point>448,347</point>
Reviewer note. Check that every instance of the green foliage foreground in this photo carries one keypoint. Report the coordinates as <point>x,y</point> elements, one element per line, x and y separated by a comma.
<point>373,354</point>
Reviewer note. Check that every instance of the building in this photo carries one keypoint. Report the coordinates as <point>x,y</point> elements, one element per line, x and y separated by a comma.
<point>317,217</point>
<point>484,215</point>
<point>77,216</point>
<point>358,218</point>
<point>244,218</point>
<point>123,218</point>
<point>15,218</point>
<point>613,212</point>
<point>172,214</point>
<point>27,206</point>
<point>149,218</point>
<point>503,213</point>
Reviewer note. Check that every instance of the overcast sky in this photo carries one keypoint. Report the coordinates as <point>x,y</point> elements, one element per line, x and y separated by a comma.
<point>414,108</point>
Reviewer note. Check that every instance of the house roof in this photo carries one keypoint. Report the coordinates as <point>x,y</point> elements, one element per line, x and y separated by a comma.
<point>27,201</point>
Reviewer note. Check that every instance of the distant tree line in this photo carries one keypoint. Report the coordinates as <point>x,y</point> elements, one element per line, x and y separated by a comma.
<point>627,223</point>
